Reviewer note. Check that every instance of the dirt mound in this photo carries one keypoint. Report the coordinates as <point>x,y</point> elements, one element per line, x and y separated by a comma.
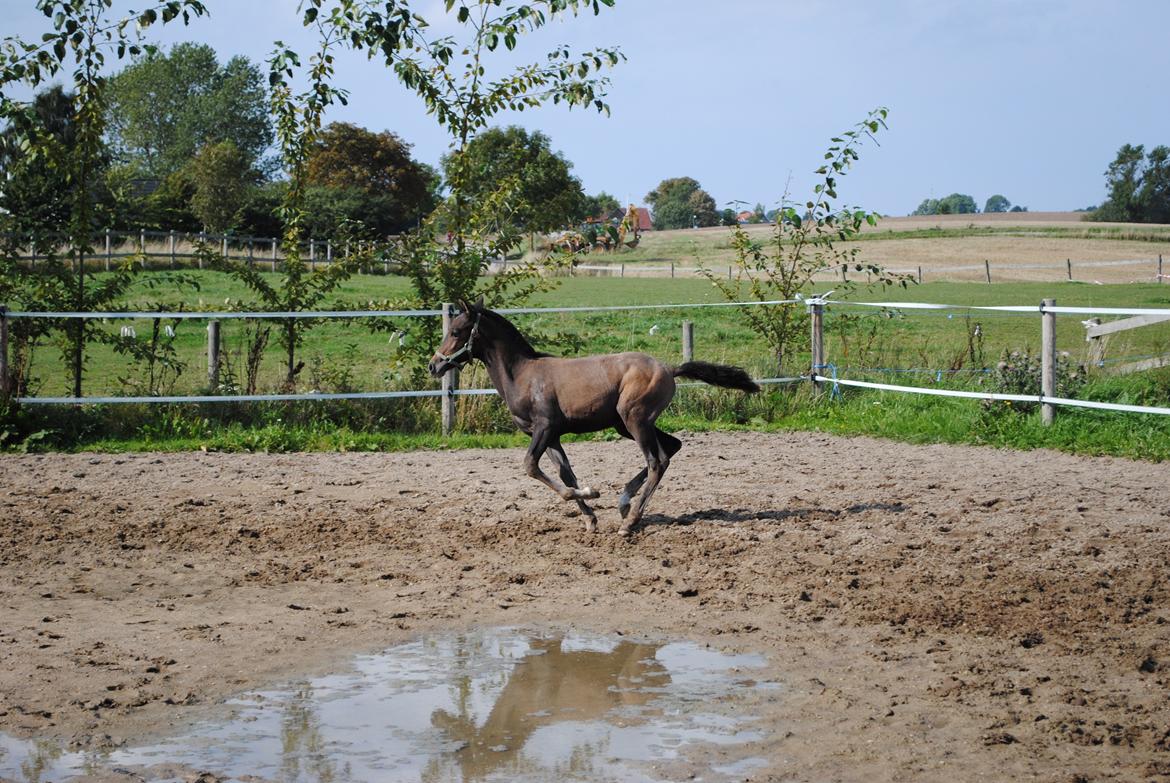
<point>994,612</point>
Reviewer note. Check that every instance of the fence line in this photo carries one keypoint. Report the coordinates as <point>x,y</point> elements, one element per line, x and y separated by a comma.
<point>247,246</point>
<point>1047,310</point>
<point>197,315</point>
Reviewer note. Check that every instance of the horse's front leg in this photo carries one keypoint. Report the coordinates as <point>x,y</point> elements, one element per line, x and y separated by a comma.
<point>542,438</point>
<point>557,452</point>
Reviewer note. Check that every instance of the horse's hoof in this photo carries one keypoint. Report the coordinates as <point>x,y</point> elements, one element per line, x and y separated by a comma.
<point>624,532</point>
<point>624,504</point>
<point>588,493</point>
<point>591,525</point>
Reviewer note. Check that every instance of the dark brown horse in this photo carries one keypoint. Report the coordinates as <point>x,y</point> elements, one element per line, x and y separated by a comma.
<point>549,396</point>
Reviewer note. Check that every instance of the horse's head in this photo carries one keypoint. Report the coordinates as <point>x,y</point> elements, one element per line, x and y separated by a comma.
<point>458,348</point>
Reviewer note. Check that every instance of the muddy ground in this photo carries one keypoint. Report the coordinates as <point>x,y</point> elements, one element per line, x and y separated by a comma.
<point>934,612</point>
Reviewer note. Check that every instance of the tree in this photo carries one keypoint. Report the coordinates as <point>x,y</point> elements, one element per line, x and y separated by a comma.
<point>957,204</point>
<point>451,75</point>
<point>298,128</point>
<point>673,206</point>
<point>368,178</point>
<point>803,244</point>
<point>1155,192</point>
<point>220,175</point>
<point>604,207</point>
<point>82,35</point>
<point>164,108</point>
<point>549,196</point>
<point>1138,186</point>
<point>702,208</point>
<point>954,204</point>
<point>928,206</point>
<point>997,203</point>
<point>31,186</point>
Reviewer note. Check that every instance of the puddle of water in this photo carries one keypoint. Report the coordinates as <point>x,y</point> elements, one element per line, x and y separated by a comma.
<point>494,705</point>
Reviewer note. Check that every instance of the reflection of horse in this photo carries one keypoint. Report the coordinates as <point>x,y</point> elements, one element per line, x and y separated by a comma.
<point>549,686</point>
<point>549,396</point>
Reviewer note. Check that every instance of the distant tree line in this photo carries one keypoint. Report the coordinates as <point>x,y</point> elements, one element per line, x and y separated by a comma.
<point>188,146</point>
<point>1138,186</point>
<point>962,204</point>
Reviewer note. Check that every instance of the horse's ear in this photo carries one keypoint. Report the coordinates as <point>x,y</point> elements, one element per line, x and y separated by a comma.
<point>479,302</point>
<point>462,303</point>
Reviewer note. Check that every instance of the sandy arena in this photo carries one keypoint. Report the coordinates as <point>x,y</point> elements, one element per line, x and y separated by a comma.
<point>934,612</point>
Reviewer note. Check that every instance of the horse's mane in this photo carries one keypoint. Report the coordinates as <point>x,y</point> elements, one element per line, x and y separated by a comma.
<point>503,329</point>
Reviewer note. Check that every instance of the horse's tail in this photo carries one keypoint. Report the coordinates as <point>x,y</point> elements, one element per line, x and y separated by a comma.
<point>718,375</point>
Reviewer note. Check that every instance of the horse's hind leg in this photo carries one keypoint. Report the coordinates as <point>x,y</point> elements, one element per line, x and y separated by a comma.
<point>670,445</point>
<point>557,452</point>
<point>658,452</point>
<point>543,439</point>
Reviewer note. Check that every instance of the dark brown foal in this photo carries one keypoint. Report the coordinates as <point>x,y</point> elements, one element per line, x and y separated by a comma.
<point>549,396</point>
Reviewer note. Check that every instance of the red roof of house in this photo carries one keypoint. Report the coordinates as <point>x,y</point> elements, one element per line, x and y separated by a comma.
<point>644,221</point>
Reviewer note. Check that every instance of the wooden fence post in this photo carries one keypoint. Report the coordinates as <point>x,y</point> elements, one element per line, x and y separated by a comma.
<point>1096,345</point>
<point>671,270</point>
<point>213,355</point>
<point>312,255</point>
<point>622,271</point>
<point>251,253</point>
<point>5,390</point>
<point>172,248</point>
<point>987,269</point>
<point>450,381</point>
<point>141,249</point>
<point>817,311</point>
<point>1160,276</point>
<point>919,275</point>
<point>1047,358</point>
<point>109,250</point>
<point>1068,261</point>
<point>688,341</point>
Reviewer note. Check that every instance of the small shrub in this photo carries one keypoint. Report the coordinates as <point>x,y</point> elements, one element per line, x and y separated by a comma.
<point>1019,372</point>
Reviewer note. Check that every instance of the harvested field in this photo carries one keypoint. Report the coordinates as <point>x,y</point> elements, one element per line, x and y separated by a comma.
<point>931,611</point>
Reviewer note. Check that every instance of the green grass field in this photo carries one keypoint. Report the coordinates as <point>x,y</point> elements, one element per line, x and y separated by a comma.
<point>949,349</point>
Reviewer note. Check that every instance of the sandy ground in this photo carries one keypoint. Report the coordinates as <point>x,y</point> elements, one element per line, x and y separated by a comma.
<point>934,612</point>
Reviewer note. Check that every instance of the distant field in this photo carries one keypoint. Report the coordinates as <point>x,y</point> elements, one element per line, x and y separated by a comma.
<point>340,355</point>
<point>1025,246</point>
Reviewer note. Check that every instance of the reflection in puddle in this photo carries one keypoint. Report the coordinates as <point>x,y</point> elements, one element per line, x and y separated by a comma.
<point>489,706</point>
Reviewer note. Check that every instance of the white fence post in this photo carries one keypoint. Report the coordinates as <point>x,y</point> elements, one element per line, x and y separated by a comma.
<point>213,355</point>
<point>1047,358</point>
<point>172,248</point>
<point>274,255</point>
<point>816,313</point>
<point>688,341</point>
<point>450,381</point>
<point>109,251</point>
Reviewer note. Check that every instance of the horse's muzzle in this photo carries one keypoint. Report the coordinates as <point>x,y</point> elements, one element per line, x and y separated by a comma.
<point>439,366</point>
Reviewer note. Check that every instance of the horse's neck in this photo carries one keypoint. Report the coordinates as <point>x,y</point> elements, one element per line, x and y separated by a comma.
<point>503,365</point>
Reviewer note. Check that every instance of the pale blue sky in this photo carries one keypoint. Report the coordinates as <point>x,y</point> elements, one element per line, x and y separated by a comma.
<point>1028,98</point>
